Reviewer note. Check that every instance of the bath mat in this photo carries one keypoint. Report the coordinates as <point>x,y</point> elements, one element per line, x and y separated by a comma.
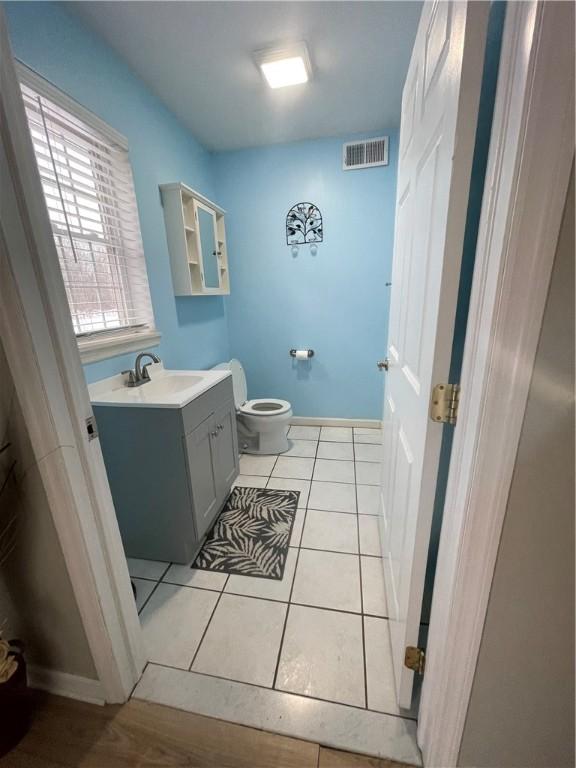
<point>252,534</point>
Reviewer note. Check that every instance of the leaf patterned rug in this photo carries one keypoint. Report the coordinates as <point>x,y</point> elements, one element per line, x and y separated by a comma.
<point>252,534</point>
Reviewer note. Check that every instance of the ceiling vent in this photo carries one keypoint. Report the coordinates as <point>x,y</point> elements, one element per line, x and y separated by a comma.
<point>365,154</point>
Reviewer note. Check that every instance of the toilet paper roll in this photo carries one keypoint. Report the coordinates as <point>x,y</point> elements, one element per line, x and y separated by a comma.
<point>301,354</point>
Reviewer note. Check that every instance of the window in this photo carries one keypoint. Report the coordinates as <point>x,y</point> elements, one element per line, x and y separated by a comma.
<point>89,191</point>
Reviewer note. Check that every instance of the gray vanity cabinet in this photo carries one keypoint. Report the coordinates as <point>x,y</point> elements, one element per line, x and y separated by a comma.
<point>226,447</point>
<point>212,454</point>
<point>201,450</point>
<point>170,471</point>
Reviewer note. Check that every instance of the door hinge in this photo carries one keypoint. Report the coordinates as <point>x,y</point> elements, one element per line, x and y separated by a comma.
<point>415,659</point>
<point>444,403</point>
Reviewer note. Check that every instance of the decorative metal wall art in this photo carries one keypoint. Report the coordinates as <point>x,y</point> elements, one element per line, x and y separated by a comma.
<point>304,224</point>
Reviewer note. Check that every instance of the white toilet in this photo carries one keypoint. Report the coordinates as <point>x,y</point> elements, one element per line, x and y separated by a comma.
<point>262,424</point>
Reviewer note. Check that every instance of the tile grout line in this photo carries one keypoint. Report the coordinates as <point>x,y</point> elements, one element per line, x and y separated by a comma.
<point>361,582</point>
<point>217,603</point>
<point>280,647</point>
<point>277,600</point>
<point>145,603</point>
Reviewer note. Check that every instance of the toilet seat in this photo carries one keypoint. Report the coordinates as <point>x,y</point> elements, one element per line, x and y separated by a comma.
<point>265,407</point>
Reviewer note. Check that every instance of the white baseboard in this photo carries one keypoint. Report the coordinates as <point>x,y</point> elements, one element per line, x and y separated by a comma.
<point>64,684</point>
<point>309,421</point>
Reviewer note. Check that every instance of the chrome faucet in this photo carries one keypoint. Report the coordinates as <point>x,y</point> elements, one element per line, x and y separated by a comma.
<point>140,374</point>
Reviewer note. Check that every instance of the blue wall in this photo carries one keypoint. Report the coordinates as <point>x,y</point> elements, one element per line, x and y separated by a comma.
<point>335,302</point>
<point>52,42</point>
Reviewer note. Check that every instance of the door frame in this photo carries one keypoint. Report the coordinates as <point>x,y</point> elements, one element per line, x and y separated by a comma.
<point>529,164</point>
<point>44,361</point>
<point>517,238</point>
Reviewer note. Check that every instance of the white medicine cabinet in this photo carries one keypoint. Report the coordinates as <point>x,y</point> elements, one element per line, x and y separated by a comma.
<point>196,242</point>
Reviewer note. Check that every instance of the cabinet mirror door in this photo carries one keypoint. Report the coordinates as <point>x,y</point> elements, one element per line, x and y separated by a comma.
<point>208,247</point>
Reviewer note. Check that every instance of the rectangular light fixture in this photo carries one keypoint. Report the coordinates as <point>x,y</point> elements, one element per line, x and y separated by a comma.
<point>284,66</point>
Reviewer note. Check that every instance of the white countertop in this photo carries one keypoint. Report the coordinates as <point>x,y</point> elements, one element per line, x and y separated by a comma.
<point>166,389</point>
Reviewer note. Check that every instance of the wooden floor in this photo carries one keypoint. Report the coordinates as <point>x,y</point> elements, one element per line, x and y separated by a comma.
<point>69,733</point>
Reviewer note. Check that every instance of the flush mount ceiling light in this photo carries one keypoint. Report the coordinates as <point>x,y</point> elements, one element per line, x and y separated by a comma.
<point>284,66</point>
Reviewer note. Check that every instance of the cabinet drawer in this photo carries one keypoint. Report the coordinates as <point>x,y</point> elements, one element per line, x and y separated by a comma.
<point>200,409</point>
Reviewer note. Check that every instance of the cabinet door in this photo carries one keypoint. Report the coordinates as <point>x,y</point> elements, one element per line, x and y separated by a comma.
<point>201,445</point>
<point>226,458</point>
<point>208,246</point>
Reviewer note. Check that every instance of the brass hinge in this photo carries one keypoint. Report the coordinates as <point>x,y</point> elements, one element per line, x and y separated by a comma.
<point>415,659</point>
<point>444,403</point>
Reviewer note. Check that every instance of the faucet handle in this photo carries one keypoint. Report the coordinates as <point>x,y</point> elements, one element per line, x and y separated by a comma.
<point>130,379</point>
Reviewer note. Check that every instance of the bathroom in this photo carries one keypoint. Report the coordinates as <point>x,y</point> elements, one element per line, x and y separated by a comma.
<point>305,639</point>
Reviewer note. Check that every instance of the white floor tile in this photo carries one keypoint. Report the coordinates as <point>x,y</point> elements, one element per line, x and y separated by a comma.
<point>302,448</point>
<point>144,588</point>
<point>256,465</point>
<point>327,580</point>
<point>293,467</point>
<point>337,434</point>
<point>194,577</point>
<point>368,473</point>
<point>335,531</point>
<point>366,452</point>
<point>286,484</point>
<point>335,450</point>
<point>336,725</point>
<point>322,656</point>
<point>297,527</point>
<point>272,589</point>
<point>328,470</point>
<point>251,481</point>
<point>373,436</point>
<point>243,640</point>
<point>146,569</point>
<point>379,670</point>
<point>373,591</point>
<point>335,497</point>
<point>369,535</point>
<point>173,621</point>
<point>303,433</point>
<point>368,499</point>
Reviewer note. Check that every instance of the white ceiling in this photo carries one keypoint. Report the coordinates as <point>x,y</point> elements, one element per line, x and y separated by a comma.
<point>197,58</point>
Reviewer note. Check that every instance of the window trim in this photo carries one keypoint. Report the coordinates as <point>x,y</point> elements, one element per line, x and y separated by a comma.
<point>105,344</point>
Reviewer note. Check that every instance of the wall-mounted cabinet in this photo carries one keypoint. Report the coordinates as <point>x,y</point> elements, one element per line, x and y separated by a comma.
<point>196,241</point>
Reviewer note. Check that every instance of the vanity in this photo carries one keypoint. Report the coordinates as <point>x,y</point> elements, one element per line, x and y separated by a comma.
<point>171,452</point>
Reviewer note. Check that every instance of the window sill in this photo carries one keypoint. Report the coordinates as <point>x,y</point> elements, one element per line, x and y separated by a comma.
<point>94,350</point>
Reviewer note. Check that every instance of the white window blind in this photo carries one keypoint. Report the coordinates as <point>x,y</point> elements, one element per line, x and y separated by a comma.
<point>89,191</point>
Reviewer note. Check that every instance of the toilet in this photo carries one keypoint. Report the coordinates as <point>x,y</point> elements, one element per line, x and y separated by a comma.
<point>262,424</point>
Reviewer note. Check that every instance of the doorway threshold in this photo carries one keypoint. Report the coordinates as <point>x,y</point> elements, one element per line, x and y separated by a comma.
<point>333,725</point>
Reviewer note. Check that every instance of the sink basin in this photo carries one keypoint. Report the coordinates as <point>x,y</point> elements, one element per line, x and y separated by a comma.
<point>170,384</point>
<point>166,389</point>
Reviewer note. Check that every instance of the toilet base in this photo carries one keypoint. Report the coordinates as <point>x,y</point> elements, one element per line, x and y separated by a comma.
<point>268,443</point>
<point>263,439</point>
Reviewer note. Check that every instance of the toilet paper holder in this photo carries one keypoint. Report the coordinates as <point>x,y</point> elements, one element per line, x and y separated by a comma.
<point>310,352</point>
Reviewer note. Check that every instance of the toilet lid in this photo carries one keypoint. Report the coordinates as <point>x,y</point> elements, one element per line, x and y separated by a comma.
<point>238,383</point>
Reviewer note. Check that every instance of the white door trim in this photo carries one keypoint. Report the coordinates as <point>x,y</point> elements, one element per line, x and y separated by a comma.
<point>529,164</point>
<point>44,361</point>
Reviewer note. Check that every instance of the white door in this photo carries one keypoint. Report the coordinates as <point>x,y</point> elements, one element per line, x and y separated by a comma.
<point>439,112</point>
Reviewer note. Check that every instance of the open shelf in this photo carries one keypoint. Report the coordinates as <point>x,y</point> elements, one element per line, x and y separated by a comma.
<point>192,219</point>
